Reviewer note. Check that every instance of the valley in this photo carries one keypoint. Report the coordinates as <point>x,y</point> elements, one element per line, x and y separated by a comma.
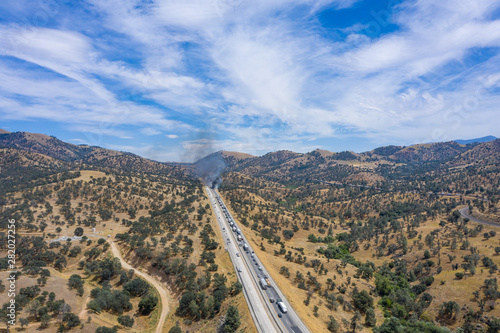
<point>386,241</point>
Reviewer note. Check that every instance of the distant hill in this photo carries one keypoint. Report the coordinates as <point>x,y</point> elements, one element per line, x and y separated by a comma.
<point>54,148</point>
<point>2,131</point>
<point>19,168</point>
<point>48,152</point>
<point>483,153</point>
<point>477,140</point>
<point>236,155</point>
<point>368,168</point>
<point>429,152</point>
<point>386,150</point>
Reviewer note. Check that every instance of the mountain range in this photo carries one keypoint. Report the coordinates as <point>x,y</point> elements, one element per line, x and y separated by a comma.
<point>41,152</point>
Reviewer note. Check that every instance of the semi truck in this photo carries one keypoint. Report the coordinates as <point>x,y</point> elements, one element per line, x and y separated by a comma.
<point>263,283</point>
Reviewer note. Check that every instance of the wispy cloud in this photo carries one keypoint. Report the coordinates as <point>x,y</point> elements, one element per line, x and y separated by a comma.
<point>263,74</point>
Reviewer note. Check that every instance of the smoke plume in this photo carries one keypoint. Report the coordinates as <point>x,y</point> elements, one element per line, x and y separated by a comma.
<point>210,168</point>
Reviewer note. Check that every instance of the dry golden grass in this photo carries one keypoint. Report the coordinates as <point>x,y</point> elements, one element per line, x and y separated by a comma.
<point>457,290</point>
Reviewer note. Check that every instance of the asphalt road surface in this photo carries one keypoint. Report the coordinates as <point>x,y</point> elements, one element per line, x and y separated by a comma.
<point>465,213</point>
<point>261,292</point>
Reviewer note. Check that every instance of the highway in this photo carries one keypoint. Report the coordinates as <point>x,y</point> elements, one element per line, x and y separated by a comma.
<point>261,293</point>
<point>465,213</point>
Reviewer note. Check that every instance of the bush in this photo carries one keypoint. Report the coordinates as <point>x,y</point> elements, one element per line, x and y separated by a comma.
<point>333,325</point>
<point>232,320</point>
<point>70,320</point>
<point>137,287</point>
<point>459,275</point>
<point>105,299</point>
<point>147,304</point>
<point>361,300</point>
<point>104,329</point>
<point>449,310</point>
<point>75,281</point>
<point>79,231</point>
<point>175,329</point>
<point>428,280</point>
<point>370,319</point>
<point>126,321</point>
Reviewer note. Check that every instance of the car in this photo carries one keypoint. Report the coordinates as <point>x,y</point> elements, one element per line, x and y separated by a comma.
<point>239,269</point>
<point>280,315</point>
<point>256,263</point>
<point>272,300</point>
<point>260,268</point>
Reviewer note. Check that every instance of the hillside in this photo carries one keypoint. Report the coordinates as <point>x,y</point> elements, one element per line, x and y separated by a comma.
<point>87,155</point>
<point>484,153</point>
<point>162,226</point>
<point>476,140</point>
<point>440,151</point>
<point>374,240</point>
<point>394,253</point>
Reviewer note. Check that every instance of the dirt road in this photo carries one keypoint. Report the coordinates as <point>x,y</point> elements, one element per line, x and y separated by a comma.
<point>161,290</point>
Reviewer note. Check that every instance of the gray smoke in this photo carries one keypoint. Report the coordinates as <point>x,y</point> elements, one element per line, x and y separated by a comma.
<point>209,165</point>
<point>210,168</point>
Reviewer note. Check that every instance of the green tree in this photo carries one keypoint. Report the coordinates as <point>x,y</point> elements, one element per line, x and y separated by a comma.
<point>356,321</point>
<point>126,321</point>
<point>75,281</point>
<point>333,325</point>
<point>24,322</point>
<point>79,231</point>
<point>136,287</point>
<point>232,320</point>
<point>236,288</point>
<point>70,320</point>
<point>493,325</point>
<point>449,310</point>
<point>427,254</point>
<point>147,304</point>
<point>370,319</point>
<point>44,319</point>
<point>361,300</point>
<point>194,310</point>
<point>175,329</point>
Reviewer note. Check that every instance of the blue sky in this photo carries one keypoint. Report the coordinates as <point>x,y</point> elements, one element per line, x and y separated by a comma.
<point>174,80</point>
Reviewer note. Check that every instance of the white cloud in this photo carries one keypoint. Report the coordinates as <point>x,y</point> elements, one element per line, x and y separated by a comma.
<point>259,72</point>
<point>149,131</point>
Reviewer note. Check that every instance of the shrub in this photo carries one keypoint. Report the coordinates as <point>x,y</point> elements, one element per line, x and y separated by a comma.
<point>78,231</point>
<point>147,304</point>
<point>137,287</point>
<point>126,321</point>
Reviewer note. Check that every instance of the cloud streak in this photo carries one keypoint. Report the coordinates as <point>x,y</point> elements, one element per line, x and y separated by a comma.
<point>263,75</point>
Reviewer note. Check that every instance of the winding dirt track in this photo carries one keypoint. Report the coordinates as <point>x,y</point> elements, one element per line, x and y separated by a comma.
<point>161,290</point>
